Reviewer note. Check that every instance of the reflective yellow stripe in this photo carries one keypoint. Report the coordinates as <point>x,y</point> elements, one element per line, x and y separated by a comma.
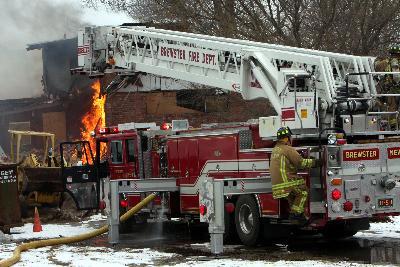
<point>280,190</point>
<point>303,199</point>
<point>288,184</point>
<point>300,207</point>
<point>297,209</point>
<point>283,169</point>
<point>306,163</point>
<point>285,179</point>
<point>281,193</point>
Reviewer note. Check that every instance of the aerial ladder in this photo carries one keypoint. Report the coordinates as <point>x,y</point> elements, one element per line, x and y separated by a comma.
<point>330,87</point>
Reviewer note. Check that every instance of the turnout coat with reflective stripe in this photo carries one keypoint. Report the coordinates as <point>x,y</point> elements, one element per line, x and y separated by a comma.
<point>285,161</point>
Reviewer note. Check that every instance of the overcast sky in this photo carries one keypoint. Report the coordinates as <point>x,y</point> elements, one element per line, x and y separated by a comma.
<point>101,16</point>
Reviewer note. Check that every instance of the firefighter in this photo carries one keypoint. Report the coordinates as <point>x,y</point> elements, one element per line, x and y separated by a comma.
<point>286,184</point>
<point>390,84</point>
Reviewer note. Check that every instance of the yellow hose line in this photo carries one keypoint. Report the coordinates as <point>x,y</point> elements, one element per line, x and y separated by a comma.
<point>73,239</point>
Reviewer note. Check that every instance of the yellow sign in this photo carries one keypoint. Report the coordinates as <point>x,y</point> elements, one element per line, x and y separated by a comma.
<point>304,114</point>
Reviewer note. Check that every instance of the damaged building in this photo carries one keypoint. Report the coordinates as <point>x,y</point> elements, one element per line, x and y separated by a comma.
<point>61,103</point>
<point>157,99</point>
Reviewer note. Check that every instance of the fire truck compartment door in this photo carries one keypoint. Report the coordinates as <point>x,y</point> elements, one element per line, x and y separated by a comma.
<point>393,157</point>
<point>352,188</point>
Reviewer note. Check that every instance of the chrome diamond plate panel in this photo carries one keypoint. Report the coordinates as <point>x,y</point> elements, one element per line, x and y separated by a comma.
<point>362,168</point>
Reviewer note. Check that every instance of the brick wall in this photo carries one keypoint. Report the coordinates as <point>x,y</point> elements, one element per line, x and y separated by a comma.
<point>161,107</point>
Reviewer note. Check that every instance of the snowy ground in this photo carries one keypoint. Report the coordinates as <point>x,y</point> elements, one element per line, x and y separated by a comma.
<point>85,256</point>
<point>385,230</point>
<point>82,255</point>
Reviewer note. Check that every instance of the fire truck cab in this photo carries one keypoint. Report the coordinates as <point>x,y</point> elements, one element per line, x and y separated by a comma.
<point>126,147</point>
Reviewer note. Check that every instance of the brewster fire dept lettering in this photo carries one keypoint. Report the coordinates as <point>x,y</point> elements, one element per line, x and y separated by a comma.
<point>393,152</point>
<point>188,55</point>
<point>361,154</point>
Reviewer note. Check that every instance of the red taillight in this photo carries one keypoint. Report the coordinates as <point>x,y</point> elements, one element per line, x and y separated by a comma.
<point>165,126</point>
<point>336,194</point>
<point>229,207</point>
<point>102,205</point>
<point>123,203</point>
<point>104,130</point>
<point>341,142</point>
<point>367,199</point>
<point>202,209</point>
<point>348,206</point>
<point>114,129</point>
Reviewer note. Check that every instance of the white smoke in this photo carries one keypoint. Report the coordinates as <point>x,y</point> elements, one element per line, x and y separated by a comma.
<point>29,21</point>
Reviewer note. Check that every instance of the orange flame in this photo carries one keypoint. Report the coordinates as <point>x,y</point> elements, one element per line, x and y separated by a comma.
<point>95,118</point>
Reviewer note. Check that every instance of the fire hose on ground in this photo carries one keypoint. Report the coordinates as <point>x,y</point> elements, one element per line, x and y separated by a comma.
<point>73,239</point>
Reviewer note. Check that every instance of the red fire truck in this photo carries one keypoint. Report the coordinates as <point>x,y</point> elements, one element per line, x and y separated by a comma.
<point>177,161</point>
<point>219,174</point>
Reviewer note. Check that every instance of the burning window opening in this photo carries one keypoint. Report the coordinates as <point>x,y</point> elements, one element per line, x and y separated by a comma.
<point>95,118</point>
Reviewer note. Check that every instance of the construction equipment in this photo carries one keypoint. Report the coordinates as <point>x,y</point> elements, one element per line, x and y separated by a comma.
<point>41,182</point>
<point>219,174</point>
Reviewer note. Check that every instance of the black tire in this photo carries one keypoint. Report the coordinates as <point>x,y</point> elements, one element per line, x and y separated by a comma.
<point>247,220</point>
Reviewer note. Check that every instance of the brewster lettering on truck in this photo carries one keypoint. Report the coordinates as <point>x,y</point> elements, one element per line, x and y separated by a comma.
<point>361,154</point>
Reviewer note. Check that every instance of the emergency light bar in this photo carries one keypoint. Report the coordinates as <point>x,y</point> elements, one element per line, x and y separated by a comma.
<point>138,125</point>
<point>108,130</point>
<point>180,125</point>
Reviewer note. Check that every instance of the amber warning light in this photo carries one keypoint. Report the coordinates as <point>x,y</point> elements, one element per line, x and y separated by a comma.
<point>336,181</point>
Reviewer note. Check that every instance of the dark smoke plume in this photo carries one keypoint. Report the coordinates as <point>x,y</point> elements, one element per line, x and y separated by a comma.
<point>23,22</point>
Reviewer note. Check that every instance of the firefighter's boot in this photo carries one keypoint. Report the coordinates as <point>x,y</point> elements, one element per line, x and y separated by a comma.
<point>297,218</point>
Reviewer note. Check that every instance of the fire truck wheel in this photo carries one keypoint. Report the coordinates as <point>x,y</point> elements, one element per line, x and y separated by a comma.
<point>247,220</point>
